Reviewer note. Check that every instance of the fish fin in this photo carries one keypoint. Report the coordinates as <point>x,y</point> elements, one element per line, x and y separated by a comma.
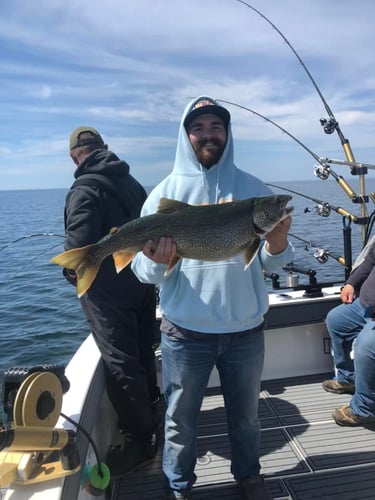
<point>167,206</point>
<point>81,261</point>
<point>113,230</point>
<point>172,264</point>
<point>251,251</point>
<point>122,259</point>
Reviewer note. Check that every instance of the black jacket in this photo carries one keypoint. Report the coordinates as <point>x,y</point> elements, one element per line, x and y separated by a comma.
<point>104,196</point>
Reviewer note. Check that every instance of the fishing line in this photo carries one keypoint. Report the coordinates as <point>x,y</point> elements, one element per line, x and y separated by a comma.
<point>329,126</point>
<point>323,170</point>
<point>43,252</point>
<point>312,244</point>
<point>20,271</point>
<point>36,256</point>
<point>315,156</point>
<point>332,124</point>
<point>30,236</point>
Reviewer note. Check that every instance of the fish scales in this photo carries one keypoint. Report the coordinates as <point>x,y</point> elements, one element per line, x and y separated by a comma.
<point>202,232</point>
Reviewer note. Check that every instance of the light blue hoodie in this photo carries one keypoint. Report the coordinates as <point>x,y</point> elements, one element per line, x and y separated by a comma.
<point>210,297</point>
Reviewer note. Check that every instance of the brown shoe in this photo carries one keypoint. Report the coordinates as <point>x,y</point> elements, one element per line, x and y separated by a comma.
<point>338,387</point>
<point>345,417</point>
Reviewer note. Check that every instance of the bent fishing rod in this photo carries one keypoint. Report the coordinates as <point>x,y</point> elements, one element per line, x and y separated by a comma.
<point>35,235</point>
<point>330,125</point>
<point>322,171</point>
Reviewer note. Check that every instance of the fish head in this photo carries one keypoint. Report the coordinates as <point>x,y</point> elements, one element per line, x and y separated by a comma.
<point>268,211</point>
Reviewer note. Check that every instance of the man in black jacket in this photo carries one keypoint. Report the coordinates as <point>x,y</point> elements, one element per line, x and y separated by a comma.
<point>120,310</point>
<point>351,327</point>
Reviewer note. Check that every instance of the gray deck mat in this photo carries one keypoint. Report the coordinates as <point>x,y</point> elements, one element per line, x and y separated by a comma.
<point>304,454</point>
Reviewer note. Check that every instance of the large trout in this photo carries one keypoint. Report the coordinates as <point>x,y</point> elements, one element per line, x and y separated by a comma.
<point>202,232</point>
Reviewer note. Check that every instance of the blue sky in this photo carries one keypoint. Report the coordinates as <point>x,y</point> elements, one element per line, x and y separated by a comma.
<point>129,68</point>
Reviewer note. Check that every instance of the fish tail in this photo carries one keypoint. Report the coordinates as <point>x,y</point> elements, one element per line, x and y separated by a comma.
<point>83,262</point>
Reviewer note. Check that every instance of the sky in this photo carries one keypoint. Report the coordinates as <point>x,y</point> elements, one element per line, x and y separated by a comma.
<point>128,68</point>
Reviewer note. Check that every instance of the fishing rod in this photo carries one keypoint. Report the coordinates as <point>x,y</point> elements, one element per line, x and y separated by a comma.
<point>322,171</point>
<point>324,208</point>
<point>30,236</point>
<point>315,156</point>
<point>320,254</point>
<point>329,125</point>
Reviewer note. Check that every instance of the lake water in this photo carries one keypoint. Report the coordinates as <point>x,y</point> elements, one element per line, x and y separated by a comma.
<point>40,316</point>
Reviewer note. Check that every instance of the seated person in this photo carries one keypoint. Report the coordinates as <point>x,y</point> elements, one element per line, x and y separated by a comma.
<point>351,327</point>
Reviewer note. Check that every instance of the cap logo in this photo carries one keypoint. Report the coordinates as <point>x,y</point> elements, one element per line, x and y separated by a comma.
<point>202,103</point>
<point>206,105</point>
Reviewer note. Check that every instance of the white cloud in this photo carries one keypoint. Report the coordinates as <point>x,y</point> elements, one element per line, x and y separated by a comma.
<point>129,68</point>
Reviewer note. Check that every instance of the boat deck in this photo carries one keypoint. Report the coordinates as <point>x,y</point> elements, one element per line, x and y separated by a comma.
<point>304,454</point>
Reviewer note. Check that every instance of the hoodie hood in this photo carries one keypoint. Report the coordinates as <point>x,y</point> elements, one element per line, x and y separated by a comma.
<point>216,183</point>
<point>223,296</point>
<point>114,173</point>
<point>104,162</point>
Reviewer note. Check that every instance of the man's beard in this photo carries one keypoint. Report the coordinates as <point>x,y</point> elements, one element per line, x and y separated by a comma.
<point>209,157</point>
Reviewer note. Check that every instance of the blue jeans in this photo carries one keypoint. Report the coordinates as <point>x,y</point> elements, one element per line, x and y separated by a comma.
<point>346,323</point>
<point>187,364</point>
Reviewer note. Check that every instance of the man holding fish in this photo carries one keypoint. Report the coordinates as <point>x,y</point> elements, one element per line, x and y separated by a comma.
<point>212,309</point>
<point>201,233</point>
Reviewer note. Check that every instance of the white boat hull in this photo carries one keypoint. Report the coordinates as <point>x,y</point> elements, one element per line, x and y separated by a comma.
<point>296,342</point>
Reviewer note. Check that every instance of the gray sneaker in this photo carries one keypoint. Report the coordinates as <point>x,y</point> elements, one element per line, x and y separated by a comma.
<point>338,387</point>
<point>254,488</point>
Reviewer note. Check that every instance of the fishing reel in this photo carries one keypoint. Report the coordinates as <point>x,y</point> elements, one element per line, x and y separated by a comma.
<point>32,449</point>
<point>320,255</point>
<point>330,125</point>
<point>323,209</point>
<point>322,172</point>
